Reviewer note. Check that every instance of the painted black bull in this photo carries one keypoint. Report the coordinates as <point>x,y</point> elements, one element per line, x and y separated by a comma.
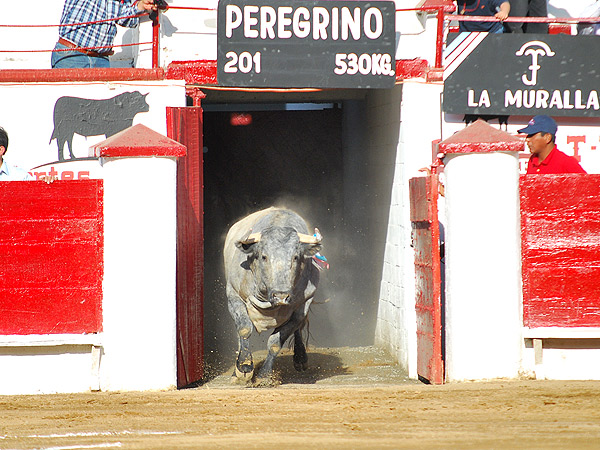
<point>88,117</point>
<point>271,282</point>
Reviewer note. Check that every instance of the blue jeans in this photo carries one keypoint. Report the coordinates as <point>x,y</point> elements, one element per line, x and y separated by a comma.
<point>71,59</point>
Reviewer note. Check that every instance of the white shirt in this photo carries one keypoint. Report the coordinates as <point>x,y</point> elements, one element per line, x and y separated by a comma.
<point>13,173</point>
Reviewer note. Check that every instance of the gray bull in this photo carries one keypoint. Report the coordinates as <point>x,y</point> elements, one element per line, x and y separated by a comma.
<point>271,282</point>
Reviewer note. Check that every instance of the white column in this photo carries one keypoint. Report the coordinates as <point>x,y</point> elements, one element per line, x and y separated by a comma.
<point>139,309</point>
<point>483,262</point>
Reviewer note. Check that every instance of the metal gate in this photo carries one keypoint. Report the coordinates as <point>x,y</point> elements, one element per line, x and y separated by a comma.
<point>185,125</point>
<point>426,243</point>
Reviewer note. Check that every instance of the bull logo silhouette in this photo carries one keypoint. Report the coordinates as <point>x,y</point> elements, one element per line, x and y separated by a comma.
<point>87,117</point>
<point>535,49</point>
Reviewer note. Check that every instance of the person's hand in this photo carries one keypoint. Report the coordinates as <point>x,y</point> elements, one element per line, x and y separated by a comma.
<point>501,15</point>
<point>503,11</point>
<point>146,5</point>
<point>48,179</point>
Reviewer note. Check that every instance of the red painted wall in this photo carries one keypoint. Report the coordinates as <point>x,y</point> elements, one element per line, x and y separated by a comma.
<point>560,228</point>
<point>51,257</point>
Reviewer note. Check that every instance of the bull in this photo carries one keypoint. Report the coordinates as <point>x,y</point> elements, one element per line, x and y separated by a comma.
<point>270,284</point>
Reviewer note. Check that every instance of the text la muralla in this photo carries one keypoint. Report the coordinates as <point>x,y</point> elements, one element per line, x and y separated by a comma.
<point>538,99</point>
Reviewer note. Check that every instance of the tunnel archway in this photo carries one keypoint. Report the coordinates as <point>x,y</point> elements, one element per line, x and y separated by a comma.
<point>310,157</point>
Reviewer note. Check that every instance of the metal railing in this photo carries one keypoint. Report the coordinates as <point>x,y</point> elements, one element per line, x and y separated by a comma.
<point>441,11</point>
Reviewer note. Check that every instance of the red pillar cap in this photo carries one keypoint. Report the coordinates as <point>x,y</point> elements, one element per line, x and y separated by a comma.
<point>138,140</point>
<point>481,137</point>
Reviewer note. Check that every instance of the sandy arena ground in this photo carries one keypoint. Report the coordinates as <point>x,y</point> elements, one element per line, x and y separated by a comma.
<point>348,399</point>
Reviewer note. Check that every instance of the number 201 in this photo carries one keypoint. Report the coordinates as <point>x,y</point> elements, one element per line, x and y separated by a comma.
<point>245,62</point>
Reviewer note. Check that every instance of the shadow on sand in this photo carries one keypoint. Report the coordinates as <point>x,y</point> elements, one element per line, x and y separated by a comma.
<point>321,366</point>
<point>326,366</point>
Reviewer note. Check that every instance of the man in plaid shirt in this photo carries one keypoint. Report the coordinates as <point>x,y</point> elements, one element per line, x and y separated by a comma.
<point>83,44</point>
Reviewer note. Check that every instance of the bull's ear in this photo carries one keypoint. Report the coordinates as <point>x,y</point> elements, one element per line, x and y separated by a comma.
<point>246,248</point>
<point>247,244</point>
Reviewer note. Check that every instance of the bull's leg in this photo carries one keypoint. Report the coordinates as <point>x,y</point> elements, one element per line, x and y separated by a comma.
<point>244,366</point>
<point>276,341</point>
<point>300,356</point>
<point>61,147</point>
<point>70,147</point>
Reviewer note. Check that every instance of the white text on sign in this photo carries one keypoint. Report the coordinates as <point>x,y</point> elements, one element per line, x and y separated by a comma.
<point>284,22</point>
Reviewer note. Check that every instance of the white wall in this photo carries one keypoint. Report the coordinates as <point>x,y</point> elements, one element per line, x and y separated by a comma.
<point>36,364</point>
<point>419,105</point>
<point>577,358</point>
<point>36,152</point>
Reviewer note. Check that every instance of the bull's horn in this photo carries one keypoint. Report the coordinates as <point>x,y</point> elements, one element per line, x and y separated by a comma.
<point>252,238</point>
<point>308,239</point>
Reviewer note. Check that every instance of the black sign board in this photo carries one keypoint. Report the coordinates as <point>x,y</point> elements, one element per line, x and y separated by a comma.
<point>522,74</point>
<point>299,43</point>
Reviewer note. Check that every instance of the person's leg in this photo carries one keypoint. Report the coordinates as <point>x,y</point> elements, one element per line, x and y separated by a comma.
<point>537,8</point>
<point>518,8</point>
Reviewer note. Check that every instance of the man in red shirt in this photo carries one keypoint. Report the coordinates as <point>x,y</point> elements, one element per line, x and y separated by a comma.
<point>545,156</point>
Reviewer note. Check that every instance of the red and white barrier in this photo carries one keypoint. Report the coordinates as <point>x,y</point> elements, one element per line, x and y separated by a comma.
<point>89,299</point>
<point>560,219</point>
<point>522,264</point>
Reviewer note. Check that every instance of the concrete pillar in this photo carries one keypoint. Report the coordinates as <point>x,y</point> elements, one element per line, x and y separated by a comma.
<point>483,317</point>
<point>140,236</point>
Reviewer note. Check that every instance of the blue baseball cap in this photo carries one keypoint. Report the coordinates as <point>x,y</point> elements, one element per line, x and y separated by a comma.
<point>540,124</point>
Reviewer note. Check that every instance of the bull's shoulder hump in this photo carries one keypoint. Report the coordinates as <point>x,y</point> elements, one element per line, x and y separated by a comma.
<point>283,218</point>
<point>259,220</point>
<point>245,224</point>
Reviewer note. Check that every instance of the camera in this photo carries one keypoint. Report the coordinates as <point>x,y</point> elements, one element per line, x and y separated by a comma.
<point>161,4</point>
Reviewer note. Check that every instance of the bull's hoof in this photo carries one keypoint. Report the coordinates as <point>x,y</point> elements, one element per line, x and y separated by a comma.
<point>241,378</point>
<point>301,366</point>
<point>244,366</point>
<point>300,361</point>
<point>244,372</point>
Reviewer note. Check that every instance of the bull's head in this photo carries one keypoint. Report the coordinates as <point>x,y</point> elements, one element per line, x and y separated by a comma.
<point>277,257</point>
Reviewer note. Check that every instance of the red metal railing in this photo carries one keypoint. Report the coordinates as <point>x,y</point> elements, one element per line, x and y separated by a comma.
<point>442,9</point>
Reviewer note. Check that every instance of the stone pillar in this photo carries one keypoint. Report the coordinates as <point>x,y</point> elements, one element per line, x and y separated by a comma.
<point>140,236</point>
<point>483,317</point>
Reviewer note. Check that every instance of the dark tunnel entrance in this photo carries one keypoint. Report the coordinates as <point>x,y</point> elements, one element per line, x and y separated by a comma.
<point>309,157</point>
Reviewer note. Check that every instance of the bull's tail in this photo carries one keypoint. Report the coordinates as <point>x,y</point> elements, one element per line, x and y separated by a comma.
<point>54,136</point>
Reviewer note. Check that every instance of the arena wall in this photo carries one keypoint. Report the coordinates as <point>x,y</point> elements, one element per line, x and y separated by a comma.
<point>132,345</point>
<point>417,106</point>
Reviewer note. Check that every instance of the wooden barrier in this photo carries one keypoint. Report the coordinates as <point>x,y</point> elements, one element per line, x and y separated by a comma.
<point>560,235</point>
<point>51,253</point>
<point>88,273</point>
<point>560,220</point>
